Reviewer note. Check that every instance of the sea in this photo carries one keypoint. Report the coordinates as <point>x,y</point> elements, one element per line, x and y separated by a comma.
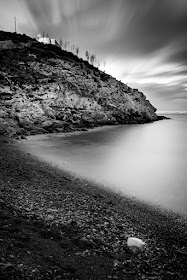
<point>146,161</point>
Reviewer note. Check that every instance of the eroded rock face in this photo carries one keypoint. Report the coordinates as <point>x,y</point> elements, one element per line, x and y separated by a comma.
<point>44,89</point>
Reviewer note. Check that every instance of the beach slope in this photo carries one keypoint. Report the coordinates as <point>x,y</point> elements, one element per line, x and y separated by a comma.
<point>56,226</point>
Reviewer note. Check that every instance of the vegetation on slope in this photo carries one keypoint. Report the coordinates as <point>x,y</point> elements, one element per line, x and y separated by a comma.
<point>45,89</point>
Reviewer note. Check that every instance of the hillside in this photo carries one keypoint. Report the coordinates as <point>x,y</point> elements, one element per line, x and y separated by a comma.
<point>44,89</point>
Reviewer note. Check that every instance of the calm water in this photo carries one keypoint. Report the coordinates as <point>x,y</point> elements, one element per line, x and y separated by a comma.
<point>145,161</point>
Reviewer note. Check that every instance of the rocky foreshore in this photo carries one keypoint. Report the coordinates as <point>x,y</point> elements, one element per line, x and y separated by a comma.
<point>54,225</point>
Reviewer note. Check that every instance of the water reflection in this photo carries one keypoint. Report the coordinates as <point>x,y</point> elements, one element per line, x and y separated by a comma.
<point>146,161</point>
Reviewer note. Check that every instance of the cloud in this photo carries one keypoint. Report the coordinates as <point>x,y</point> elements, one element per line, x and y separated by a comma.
<point>114,27</point>
<point>143,42</point>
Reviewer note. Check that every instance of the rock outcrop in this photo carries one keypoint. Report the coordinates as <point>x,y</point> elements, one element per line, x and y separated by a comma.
<point>44,89</point>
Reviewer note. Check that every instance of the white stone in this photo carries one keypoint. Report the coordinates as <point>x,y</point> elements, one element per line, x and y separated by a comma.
<point>135,245</point>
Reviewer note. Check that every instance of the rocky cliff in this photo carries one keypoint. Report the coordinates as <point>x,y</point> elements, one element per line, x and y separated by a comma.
<point>44,89</point>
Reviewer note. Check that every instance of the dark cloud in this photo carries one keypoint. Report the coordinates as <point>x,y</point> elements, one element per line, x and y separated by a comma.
<point>40,10</point>
<point>115,27</point>
<point>153,25</point>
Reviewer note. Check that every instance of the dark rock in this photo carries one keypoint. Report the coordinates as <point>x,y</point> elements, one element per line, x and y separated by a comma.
<point>162,118</point>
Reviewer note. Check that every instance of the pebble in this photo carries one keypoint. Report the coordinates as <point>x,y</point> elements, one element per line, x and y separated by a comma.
<point>50,217</point>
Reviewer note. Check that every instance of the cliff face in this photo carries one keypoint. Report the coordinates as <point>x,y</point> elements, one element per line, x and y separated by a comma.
<point>44,89</point>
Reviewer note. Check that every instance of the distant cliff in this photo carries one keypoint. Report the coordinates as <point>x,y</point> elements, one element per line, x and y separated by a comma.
<point>44,89</point>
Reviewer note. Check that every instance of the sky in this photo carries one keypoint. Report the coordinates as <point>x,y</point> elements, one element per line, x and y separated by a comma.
<point>143,42</point>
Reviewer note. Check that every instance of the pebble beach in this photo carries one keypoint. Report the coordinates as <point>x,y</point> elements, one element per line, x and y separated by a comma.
<point>54,225</point>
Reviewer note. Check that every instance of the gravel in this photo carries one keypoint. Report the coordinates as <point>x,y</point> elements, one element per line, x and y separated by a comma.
<point>54,225</point>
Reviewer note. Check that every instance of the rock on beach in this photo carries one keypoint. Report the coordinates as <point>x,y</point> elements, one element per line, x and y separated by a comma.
<point>135,245</point>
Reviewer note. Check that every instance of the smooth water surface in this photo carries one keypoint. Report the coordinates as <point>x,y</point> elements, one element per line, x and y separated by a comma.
<point>147,161</point>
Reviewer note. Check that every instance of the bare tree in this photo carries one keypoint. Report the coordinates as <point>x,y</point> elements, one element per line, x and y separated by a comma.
<point>73,48</point>
<point>98,63</point>
<point>87,55</point>
<point>61,43</point>
<point>77,51</point>
<point>95,59</point>
<point>104,64</point>
<point>92,59</point>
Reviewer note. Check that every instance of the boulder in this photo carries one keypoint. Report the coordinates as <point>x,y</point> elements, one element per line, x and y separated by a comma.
<point>135,245</point>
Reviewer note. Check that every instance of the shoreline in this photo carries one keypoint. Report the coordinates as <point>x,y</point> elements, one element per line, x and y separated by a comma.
<point>82,225</point>
<point>88,181</point>
<point>26,134</point>
<point>64,165</point>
